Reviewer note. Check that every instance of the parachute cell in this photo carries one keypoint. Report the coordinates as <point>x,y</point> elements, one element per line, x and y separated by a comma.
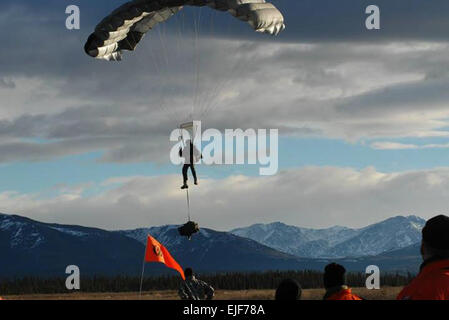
<point>125,27</point>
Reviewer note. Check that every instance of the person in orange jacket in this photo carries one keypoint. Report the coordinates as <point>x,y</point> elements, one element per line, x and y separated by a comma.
<point>432,282</point>
<point>334,282</point>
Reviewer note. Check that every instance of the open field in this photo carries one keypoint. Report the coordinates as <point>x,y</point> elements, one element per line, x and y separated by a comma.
<point>386,293</point>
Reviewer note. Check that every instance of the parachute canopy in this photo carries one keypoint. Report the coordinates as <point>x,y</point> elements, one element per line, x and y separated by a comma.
<point>125,27</point>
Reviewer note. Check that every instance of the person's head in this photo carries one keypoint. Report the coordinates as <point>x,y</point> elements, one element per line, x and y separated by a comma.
<point>435,238</point>
<point>288,289</point>
<point>334,275</point>
<point>188,272</point>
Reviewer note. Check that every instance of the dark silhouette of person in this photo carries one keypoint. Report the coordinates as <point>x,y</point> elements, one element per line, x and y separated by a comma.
<point>190,154</point>
<point>288,289</point>
<point>335,284</point>
<point>195,289</point>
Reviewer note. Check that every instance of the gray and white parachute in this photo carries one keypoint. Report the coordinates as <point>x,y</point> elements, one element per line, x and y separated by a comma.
<point>125,27</point>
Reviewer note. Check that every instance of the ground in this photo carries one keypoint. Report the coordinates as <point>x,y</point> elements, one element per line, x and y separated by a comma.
<point>386,293</point>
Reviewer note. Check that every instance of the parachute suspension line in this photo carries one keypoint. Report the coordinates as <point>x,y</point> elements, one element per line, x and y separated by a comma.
<point>159,67</point>
<point>162,36</point>
<point>166,75</point>
<point>183,29</point>
<point>213,102</point>
<point>188,206</point>
<point>160,106</point>
<point>197,58</point>
<point>180,20</point>
<point>194,73</point>
<point>210,97</point>
<point>196,27</point>
<point>178,35</point>
<point>163,73</point>
<point>227,77</point>
<point>207,94</point>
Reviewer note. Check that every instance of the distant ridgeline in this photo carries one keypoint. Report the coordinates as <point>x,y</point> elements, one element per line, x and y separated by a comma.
<point>223,281</point>
<point>30,248</point>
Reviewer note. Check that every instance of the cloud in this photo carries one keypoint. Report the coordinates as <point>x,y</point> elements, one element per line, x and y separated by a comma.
<point>325,76</point>
<point>322,79</point>
<point>385,145</point>
<point>329,90</point>
<point>311,196</point>
<point>7,83</point>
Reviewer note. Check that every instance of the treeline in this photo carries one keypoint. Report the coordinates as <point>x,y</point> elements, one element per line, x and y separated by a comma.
<point>223,281</point>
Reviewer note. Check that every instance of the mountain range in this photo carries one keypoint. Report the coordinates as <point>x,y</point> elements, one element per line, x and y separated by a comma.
<point>337,242</point>
<point>29,247</point>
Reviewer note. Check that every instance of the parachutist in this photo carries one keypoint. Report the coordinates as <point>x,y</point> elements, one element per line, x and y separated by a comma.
<point>190,154</point>
<point>126,26</point>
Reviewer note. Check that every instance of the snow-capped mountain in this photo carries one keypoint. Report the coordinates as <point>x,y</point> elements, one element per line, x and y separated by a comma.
<point>29,247</point>
<point>337,242</point>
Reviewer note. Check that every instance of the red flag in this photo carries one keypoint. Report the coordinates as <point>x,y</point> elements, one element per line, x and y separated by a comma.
<point>156,252</point>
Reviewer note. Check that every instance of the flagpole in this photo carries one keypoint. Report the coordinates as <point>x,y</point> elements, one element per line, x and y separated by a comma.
<point>141,277</point>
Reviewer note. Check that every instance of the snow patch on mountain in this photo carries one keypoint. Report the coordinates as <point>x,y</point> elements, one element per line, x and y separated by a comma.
<point>70,231</point>
<point>21,233</point>
<point>164,234</point>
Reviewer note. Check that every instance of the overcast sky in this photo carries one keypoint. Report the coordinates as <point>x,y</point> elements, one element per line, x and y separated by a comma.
<point>363,115</point>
